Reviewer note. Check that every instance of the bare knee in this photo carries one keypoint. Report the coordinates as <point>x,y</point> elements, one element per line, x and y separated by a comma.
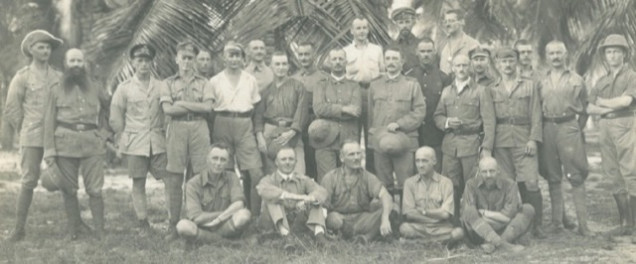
<point>187,228</point>
<point>334,221</point>
<point>407,230</point>
<point>241,218</point>
<point>527,210</point>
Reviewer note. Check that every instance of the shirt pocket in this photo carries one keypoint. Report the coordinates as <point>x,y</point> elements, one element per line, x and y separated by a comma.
<point>137,105</point>
<point>36,93</point>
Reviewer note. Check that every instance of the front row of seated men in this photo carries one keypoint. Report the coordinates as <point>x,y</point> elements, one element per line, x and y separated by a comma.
<point>353,203</point>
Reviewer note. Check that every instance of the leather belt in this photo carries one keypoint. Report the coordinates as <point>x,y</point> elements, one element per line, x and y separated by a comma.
<point>278,123</point>
<point>235,114</point>
<point>189,117</point>
<point>77,126</point>
<point>515,121</point>
<point>465,132</point>
<point>559,119</point>
<point>619,114</point>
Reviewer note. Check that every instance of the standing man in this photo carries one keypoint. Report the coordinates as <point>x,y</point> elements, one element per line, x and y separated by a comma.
<point>350,190</point>
<point>396,105</point>
<point>135,115</point>
<point>464,112</point>
<point>293,201</point>
<point>215,203</point>
<point>187,98</point>
<point>205,66</point>
<point>73,143</point>
<point>310,76</point>
<point>563,97</point>
<point>404,18</point>
<point>235,94</point>
<point>256,65</point>
<point>526,57</point>
<point>518,131</point>
<point>492,213</point>
<point>25,107</point>
<point>428,202</point>
<point>337,100</point>
<point>614,99</point>
<point>281,114</point>
<point>457,42</point>
<point>431,80</point>
<point>365,63</point>
<point>480,61</point>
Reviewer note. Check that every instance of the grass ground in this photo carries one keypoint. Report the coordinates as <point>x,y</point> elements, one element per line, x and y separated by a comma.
<point>46,243</point>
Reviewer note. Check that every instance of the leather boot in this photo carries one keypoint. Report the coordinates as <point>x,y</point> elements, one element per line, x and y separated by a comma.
<point>622,203</point>
<point>632,224</point>
<point>96,204</point>
<point>578,195</point>
<point>22,210</point>
<point>535,199</point>
<point>71,206</point>
<point>558,208</point>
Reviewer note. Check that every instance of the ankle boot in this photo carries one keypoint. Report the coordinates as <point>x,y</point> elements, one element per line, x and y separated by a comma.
<point>22,210</point>
<point>71,206</point>
<point>97,210</point>
<point>578,195</point>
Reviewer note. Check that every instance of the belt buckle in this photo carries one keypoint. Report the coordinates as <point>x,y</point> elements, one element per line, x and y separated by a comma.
<point>80,127</point>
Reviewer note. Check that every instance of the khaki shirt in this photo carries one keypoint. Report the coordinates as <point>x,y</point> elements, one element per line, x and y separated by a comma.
<point>73,107</point>
<point>329,98</point>
<point>503,197</point>
<point>311,79</point>
<point>522,103</point>
<point>365,63</point>
<point>474,107</point>
<point>207,192</point>
<point>396,100</point>
<point>263,74</point>
<point>565,98</point>
<point>286,102</point>
<point>176,88</point>
<point>135,111</point>
<point>461,46</point>
<point>26,104</point>
<point>422,194</point>
<point>350,194</point>
<point>610,86</point>
<point>272,187</point>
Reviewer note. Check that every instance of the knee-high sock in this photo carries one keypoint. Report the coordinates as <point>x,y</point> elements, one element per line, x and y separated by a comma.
<point>174,193</point>
<point>96,203</point>
<point>139,198</point>
<point>534,198</point>
<point>71,206</point>
<point>22,208</point>
<point>558,206</point>
<point>578,195</point>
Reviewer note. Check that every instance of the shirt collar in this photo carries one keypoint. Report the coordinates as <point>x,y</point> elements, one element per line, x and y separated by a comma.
<point>435,177</point>
<point>209,178</point>
<point>482,182</point>
<point>286,177</point>
<point>257,66</point>
<point>338,79</point>
<point>461,85</point>
<point>394,77</point>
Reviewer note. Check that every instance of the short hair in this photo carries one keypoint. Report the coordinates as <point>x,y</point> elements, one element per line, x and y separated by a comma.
<point>426,40</point>
<point>338,48</point>
<point>394,48</point>
<point>220,145</point>
<point>348,141</point>
<point>521,42</point>
<point>280,53</point>
<point>188,45</point>
<point>359,18</point>
<point>286,147</point>
<point>457,12</point>
<point>205,50</point>
<point>306,43</point>
<point>256,39</point>
<point>556,42</point>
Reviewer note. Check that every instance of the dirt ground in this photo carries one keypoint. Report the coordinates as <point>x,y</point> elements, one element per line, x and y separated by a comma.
<point>46,243</point>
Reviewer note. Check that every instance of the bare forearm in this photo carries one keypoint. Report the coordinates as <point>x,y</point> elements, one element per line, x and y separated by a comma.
<point>233,208</point>
<point>593,109</point>
<point>387,203</point>
<point>497,216</point>
<point>206,217</point>
<point>616,102</point>
<point>203,107</point>
<point>174,110</point>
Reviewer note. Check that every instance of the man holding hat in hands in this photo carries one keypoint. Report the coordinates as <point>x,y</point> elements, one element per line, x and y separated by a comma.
<point>136,115</point>
<point>28,94</point>
<point>337,103</point>
<point>396,110</point>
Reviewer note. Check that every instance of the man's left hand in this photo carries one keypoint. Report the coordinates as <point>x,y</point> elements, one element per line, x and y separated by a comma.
<point>385,228</point>
<point>531,148</point>
<point>285,137</point>
<point>392,127</point>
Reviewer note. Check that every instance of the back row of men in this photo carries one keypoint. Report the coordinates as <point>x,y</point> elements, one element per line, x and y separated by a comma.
<point>521,118</point>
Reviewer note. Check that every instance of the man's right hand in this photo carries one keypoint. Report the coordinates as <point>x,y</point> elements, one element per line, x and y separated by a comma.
<point>49,161</point>
<point>262,144</point>
<point>351,110</point>
<point>454,122</point>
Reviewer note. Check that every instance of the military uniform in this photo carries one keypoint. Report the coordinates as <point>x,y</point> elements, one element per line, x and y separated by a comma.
<point>283,107</point>
<point>263,74</point>
<point>349,203</point>
<point>329,98</point>
<point>462,45</point>
<point>398,100</point>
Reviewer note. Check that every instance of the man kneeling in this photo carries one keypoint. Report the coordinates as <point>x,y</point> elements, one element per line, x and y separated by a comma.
<point>492,213</point>
<point>214,201</point>
<point>428,202</point>
<point>293,202</point>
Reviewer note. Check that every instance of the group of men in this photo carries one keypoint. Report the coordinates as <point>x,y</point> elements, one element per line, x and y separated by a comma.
<point>462,145</point>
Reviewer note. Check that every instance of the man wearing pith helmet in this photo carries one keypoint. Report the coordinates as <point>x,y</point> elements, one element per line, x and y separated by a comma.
<point>613,98</point>
<point>25,107</point>
<point>136,116</point>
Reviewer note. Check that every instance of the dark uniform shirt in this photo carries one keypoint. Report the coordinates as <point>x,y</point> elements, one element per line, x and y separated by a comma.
<point>432,80</point>
<point>503,197</point>
<point>329,98</point>
<point>350,194</point>
<point>565,98</point>
<point>524,105</point>
<point>286,102</point>
<point>208,192</point>
<point>610,86</point>
<point>408,46</point>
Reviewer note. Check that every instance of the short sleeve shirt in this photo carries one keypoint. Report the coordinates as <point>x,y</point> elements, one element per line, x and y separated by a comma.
<point>235,99</point>
<point>504,197</point>
<point>208,192</point>
<point>611,86</point>
<point>428,194</point>
<point>176,88</point>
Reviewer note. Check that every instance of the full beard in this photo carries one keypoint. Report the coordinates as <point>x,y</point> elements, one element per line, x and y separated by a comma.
<point>75,76</point>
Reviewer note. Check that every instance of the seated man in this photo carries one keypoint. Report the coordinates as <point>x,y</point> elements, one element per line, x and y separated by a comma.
<point>428,202</point>
<point>492,213</point>
<point>293,202</point>
<point>215,204</point>
<point>351,189</point>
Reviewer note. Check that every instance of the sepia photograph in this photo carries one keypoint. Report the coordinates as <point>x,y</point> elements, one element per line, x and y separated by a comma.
<point>317,131</point>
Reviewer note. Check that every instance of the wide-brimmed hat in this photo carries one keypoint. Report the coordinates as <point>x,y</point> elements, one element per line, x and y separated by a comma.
<point>392,143</point>
<point>321,133</point>
<point>51,178</point>
<point>36,36</point>
<point>273,147</point>
<point>614,40</point>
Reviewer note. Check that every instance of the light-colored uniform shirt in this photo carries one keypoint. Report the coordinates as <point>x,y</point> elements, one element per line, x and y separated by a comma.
<point>329,98</point>
<point>428,194</point>
<point>566,97</point>
<point>208,192</point>
<point>26,104</point>
<point>462,45</point>
<point>350,193</point>
<point>135,111</point>
<point>263,74</point>
<point>235,99</point>
<point>272,187</point>
<point>365,63</point>
<point>197,89</point>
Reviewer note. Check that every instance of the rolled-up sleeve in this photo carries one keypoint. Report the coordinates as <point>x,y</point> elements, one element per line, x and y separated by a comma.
<point>236,190</point>
<point>512,202</point>
<point>165,96</point>
<point>193,199</point>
